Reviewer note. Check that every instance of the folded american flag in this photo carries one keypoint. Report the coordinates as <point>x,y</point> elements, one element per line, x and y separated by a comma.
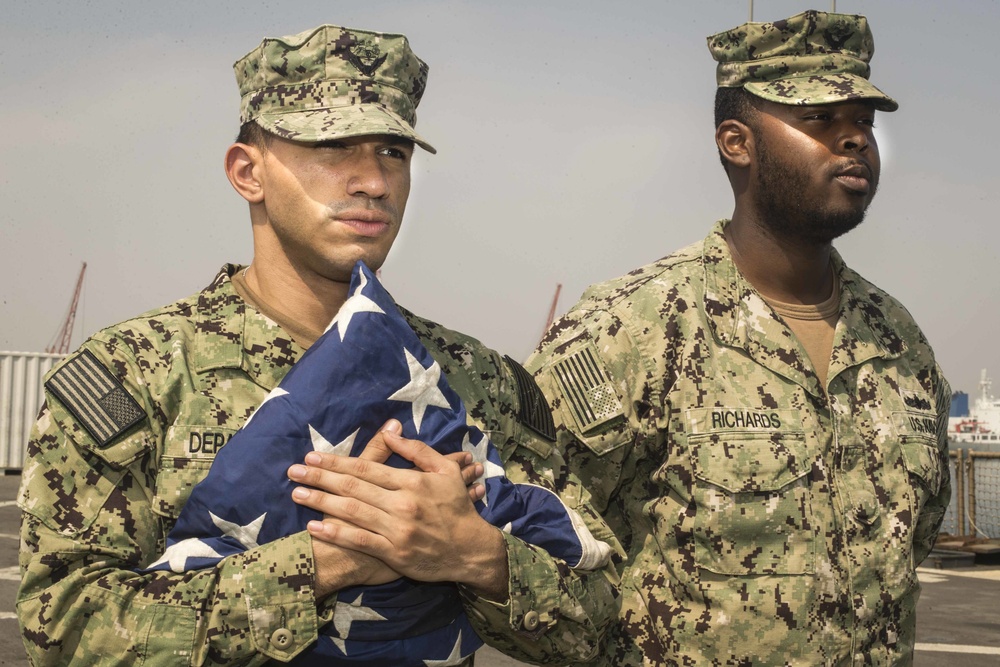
<point>369,366</point>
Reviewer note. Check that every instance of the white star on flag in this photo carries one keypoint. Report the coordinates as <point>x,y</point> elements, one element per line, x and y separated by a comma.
<point>177,554</point>
<point>277,391</point>
<point>454,658</point>
<point>321,444</point>
<point>358,303</point>
<point>422,389</point>
<point>245,535</point>
<point>345,614</point>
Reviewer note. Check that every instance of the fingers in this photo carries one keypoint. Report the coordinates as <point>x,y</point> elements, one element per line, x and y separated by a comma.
<point>325,471</point>
<point>344,511</point>
<point>418,453</point>
<point>477,492</point>
<point>350,489</point>
<point>471,471</point>
<point>376,449</point>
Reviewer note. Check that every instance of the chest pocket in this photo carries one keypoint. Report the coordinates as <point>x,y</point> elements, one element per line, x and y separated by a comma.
<point>188,454</point>
<point>917,433</point>
<point>753,510</point>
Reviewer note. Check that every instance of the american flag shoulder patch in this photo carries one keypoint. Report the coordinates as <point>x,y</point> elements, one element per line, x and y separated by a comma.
<point>535,412</point>
<point>95,397</point>
<point>587,388</point>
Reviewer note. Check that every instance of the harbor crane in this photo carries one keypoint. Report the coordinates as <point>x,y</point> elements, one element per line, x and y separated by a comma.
<point>61,342</point>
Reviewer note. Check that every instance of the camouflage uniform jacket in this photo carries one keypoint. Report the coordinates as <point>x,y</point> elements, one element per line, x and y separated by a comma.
<point>93,511</point>
<point>767,519</point>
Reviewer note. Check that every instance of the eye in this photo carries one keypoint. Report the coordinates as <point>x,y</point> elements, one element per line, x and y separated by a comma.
<point>400,152</point>
<point>816,115</point>
<point>870,122</point>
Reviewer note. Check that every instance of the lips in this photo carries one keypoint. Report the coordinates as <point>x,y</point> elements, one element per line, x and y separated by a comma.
<point>366,222</point>
<point>856,177</point>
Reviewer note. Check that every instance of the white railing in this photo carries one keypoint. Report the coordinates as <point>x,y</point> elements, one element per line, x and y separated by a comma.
<point>21,377</point>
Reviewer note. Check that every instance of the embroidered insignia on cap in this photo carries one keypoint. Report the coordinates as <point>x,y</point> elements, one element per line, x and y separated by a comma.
<point>95,397</point>
<point>366,57</point>
<point>534,412</point>
<point>587,387</point>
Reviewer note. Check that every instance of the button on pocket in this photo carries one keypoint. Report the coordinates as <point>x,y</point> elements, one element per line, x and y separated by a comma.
<point>281,638</point>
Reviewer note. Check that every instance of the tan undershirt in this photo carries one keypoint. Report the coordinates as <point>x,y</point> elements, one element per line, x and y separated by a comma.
<point>814,325</point>
<point>302,335</point>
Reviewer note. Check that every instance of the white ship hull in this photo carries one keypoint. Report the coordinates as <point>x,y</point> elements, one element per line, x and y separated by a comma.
<point>982,426</point>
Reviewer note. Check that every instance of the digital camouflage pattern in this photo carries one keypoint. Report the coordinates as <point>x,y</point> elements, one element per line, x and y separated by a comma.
<point>767,519</point>
<point>331,83</point>
<point>811,58</point>
<point>94,511</point>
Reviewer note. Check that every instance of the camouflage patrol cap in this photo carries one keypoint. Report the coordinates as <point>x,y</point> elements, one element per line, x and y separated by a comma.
<point>331,83</point>
<point>811,58</point>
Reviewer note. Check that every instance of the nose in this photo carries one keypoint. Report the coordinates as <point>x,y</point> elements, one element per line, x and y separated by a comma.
<point>856,138</point>
<point>368,176</point>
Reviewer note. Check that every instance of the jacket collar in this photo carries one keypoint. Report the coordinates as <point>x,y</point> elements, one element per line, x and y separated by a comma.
<point>740,317</point>
<point>229,333</point>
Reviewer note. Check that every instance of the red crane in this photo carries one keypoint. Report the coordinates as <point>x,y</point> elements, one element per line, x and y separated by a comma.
<point>552,309</point>
<point>61,343</point>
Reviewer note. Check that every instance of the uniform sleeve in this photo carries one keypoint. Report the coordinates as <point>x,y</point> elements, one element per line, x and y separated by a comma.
<point>89,520</point>
<point>932,515</point>
<point>596,378</point>
<point>555,614</point>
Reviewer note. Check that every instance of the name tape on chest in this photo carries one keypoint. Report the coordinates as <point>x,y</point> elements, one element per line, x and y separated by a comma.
<point>95,397</point>
<point>711,420</point>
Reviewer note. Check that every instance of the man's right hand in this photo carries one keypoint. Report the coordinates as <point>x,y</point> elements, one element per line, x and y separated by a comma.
<point>337,567</point>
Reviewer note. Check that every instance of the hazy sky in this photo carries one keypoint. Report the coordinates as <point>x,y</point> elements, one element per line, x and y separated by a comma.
<point>574,138</point>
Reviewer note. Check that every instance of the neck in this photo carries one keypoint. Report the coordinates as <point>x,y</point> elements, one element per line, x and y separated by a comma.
<point>781,269</point>
<point>298,294</point>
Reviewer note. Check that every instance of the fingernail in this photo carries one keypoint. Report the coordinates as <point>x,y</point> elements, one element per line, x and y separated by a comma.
<point>313,459</point>
<point>480,470</point>
<point>300,493</point>
<point>315,526</point>
<point>297,471</point>
<point>392,426</point>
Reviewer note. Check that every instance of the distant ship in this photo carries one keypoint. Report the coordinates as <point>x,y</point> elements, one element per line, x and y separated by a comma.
<point>982,424</point>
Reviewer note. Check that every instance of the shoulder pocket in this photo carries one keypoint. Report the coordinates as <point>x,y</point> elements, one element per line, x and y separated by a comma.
<point>66,482</point>
<point>607,440</point>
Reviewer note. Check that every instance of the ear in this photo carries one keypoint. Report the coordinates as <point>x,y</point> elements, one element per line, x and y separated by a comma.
<point>244,164</point>
<point>735,142</point>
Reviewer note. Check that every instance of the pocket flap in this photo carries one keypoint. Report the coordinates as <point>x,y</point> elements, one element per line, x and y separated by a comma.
<point>920,456</point>
<point>751,462</point>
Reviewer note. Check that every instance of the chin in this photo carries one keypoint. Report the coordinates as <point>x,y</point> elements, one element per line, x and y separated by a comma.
<point>341,268</point>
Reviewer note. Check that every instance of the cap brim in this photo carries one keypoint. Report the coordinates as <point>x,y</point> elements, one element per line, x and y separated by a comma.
<point>340,123</point>
<point>821,89</point>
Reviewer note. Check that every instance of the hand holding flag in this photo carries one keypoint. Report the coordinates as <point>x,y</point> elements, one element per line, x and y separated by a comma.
<point>369,367</point>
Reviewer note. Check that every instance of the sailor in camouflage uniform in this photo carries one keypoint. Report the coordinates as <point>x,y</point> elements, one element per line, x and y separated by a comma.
<point>762,427</point>
<point>133,420</point>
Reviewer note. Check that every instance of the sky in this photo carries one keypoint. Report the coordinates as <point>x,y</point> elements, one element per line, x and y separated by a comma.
<point>575,142</point>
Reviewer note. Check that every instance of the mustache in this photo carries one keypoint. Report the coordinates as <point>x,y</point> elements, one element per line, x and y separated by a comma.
<point>855,167</point>
<point>368,210</point>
